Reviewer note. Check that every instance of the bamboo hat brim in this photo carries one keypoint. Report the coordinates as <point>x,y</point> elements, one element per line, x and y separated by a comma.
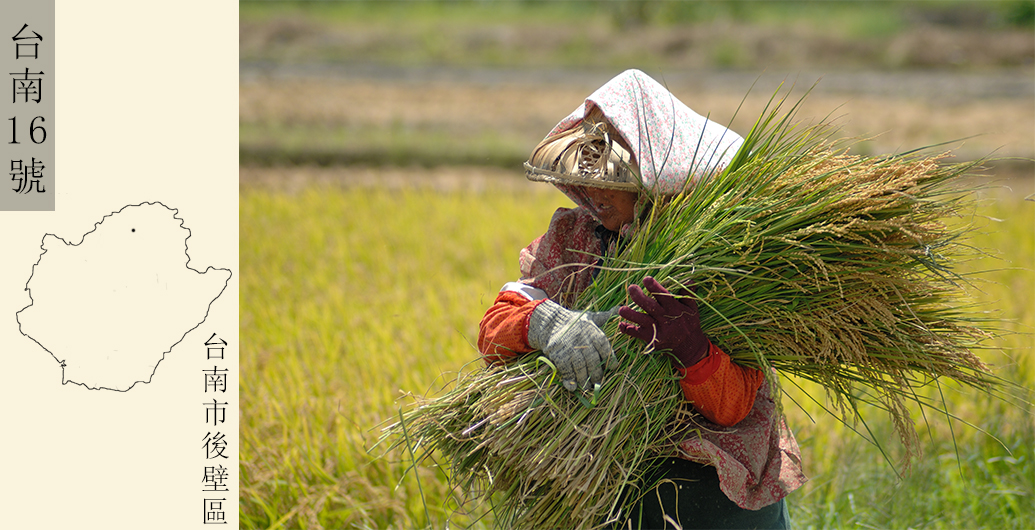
<point>584,155</point>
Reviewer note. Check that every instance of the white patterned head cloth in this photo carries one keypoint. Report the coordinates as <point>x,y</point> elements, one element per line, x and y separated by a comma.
<point>672,145</point>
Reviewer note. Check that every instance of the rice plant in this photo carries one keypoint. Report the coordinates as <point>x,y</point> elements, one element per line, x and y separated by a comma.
<point>805,258</point>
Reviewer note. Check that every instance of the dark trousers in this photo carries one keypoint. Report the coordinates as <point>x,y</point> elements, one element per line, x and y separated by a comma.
<point>689,495</point>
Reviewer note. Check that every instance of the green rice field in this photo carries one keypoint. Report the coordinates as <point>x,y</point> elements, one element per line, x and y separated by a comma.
<point>353,297</point>
<point>382,207</point>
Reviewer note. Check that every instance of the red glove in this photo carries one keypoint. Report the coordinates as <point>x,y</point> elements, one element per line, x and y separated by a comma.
<point>669,323</point>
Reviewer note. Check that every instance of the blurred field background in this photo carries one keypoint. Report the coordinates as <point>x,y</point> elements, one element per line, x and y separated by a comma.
<point>383,205</point>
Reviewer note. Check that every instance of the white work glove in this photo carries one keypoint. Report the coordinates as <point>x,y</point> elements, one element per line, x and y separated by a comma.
<point>573,341</point>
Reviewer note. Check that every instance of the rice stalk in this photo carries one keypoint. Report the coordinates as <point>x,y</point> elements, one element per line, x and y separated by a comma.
<point>805,259</point>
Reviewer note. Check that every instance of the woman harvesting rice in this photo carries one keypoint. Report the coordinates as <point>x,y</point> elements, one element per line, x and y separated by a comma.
<point>629,144</point>
<point>808,260</point>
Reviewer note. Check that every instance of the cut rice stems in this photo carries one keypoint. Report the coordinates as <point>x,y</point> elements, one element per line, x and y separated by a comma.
<point>806,260</point>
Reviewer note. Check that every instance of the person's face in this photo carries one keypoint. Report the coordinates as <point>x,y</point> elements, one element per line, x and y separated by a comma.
<point>614,208</point>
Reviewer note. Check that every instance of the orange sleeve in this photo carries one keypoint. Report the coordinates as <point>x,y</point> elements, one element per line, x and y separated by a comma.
<point>724,392</point>
<point>503,331</point>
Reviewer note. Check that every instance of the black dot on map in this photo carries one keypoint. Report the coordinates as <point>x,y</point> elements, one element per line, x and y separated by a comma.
<point>133,229</point>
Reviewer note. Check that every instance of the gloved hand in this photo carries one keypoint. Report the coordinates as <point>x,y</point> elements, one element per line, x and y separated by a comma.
<point>573,341</point>
<point>669,323</point>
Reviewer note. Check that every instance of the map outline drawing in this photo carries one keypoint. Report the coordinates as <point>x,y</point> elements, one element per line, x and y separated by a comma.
<point>102,238</point>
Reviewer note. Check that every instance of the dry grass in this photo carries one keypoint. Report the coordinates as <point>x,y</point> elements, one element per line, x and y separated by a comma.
<point>323,112</point>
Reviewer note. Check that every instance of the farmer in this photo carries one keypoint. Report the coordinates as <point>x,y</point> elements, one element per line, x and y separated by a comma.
<point>630,143</point>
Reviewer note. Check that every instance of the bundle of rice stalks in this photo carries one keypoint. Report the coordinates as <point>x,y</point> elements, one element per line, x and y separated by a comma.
<point>832,267</point>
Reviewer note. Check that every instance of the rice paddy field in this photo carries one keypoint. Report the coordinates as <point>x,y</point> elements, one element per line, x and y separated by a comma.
<point>382,206</point>
<point>356,295</point>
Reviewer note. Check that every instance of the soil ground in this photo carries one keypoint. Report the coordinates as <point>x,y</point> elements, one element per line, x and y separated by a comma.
<point>454,97</point>
<point>897,110</point>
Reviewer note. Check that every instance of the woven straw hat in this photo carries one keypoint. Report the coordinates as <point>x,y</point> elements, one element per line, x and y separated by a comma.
<point>588,154</point>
